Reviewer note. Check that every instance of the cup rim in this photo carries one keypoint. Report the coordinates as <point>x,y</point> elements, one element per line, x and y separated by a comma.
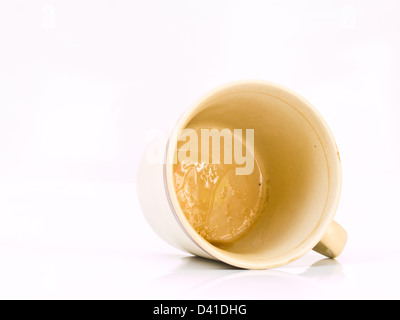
<point>333,196</point>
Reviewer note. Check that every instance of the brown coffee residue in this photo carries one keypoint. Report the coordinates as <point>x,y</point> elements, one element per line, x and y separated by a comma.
<point>220,205</point>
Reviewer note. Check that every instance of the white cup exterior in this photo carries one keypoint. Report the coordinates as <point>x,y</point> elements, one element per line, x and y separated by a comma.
<point>154,193</point>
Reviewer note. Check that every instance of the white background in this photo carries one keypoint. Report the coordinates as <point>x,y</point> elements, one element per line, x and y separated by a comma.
<point>84,85</point>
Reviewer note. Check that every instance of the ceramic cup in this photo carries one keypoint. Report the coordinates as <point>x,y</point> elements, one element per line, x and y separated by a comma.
<point>296,149</point>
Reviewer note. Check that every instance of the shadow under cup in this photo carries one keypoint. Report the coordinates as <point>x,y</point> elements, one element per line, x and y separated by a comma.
<point>298,158</point>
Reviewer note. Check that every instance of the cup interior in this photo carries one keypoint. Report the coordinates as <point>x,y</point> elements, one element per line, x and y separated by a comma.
<point>299,161</point>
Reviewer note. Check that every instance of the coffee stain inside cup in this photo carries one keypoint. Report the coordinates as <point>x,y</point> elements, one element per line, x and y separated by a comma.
<point>219,204</point>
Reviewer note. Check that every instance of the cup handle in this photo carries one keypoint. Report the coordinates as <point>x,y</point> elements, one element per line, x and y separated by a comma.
<point>333,242</point>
